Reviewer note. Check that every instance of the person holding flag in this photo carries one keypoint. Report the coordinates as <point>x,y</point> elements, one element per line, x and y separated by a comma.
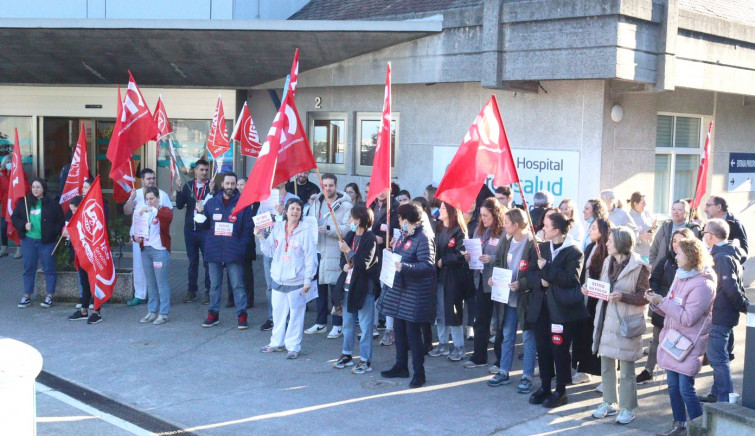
<point>86,295</point>
<point>39,221</point>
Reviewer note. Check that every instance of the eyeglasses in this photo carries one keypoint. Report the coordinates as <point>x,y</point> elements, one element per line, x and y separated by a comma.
<point>710,204</point>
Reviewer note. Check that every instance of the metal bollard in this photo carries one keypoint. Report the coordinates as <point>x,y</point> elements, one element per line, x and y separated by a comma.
<point>19,366</point>
<point>748,382</point>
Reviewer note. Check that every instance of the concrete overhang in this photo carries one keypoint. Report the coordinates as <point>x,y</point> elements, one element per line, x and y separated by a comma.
<point>185,53</point>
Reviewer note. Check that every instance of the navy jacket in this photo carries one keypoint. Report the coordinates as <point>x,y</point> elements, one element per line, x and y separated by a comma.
<point>730,297</point>
<point>228,249</point>
<point>412,297</point>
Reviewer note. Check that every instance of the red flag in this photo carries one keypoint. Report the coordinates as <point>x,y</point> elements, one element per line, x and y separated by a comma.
<point>77,172</point>
<point>702,172</point>
<point>484,151</point>
<point>293,78</point>
<point>246,133</point>
<point>134,127</point>
<point>217,140</point>
<point>123,181</point>
<point>91,244</point>
<point>380,180</point>
<point>295,154</point>
<point>160,117</point>
<point>17,187</point>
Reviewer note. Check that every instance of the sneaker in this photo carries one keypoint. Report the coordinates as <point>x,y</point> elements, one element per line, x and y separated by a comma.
<point>361,367</point>
<point>539,396</point>
<point>269,349</point>
<point>388,338</point>
<point>162,319</point>
<point>605,409</point>
<point>493,369</point>
<point>135,302</point>
<point>94,318</point>
<point>440,350</point>
<point>190,296</point>
<point>499,379</point>
<point>206,299</point>
<point>381,324</point>
<point>710,398</point>
<point>625,416</point>
<point>456,354</point>
<point>343,361</point>
<point>267,326</point>
<point>644,377</point>
<point>580,377</point>
<point>212,320</point>
<point>471,364</point>
<point>47,303</point>
<point>676,429</point>
<point>291,355</point>
<point>525,386</point>
<point>335,332</point>
<point>417,381</point>
<point>555,399</point>
<point>316,328</point>
<point>25,302</point>
<point>243,324</point>
<point>599,388</point>
<point>78,306</point>
<point>395,372</point>
<point>148,318</point>
<point>78,315</point>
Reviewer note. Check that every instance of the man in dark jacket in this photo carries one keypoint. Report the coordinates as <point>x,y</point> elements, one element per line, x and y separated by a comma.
<point>729,302</point>
<point>303,188</point>
<point>716,207</point>
<point>192,196</point>
<point>225,246</point>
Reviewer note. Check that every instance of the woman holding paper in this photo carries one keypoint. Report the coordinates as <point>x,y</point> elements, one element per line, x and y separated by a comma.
<point>155,247</point>
<point>614,337</point>
<point>583,361</point>
<point>452,276</point>
<point>515,254</point>
<point>687,311</point>
<point>488,237</point>
<point>556,306</point>
<point>293,250</point>
<point>411,299</point>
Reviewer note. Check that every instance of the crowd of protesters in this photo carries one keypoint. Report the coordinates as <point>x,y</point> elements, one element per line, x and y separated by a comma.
<point>684,273</point>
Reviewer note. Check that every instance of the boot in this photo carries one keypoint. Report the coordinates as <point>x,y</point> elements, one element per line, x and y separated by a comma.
<point>3,251</point>
<point>18,253</point>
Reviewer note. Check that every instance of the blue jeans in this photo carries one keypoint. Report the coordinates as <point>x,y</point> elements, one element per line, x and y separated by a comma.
<point>236,279</point>
<point>194,244</point>
<point>156,264</point>
<point>530,353</point>
<point>35,251</point>
<point>366,320</point>
<point>718,356</point>
<point>267,265</point>
<point>508,328</point>
<point>681,392</point>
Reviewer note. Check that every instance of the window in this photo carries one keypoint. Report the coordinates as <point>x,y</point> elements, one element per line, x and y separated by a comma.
<point>25,141</point>
<point>678,144</point>
<point>368,126</point>
<point>327,136</point>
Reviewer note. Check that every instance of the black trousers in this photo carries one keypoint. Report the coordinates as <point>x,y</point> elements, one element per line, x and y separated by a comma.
<point>249,276</point>
<point>86,294</point>
<point>482,325</point>
<point>582,358</point>
<point>409,336</point>
<point>427,336</point>
<point>553,354</point>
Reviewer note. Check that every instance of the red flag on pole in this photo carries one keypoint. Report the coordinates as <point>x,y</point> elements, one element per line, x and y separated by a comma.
<point>484,151</point>
<point>124,181</point>
<point>217,140</point>
<point>246,133</point>
<point>160,117</point>
<point>702,172</point>
<point>295,154</point>
<point>91,244</point>
<point>380,179</point>
<point>17,187</point>
<point>294,75</point>
<point>77,172</point>
<point>134,127</point>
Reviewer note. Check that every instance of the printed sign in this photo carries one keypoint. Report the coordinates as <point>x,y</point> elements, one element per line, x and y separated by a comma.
<point>598,289</point>
<point>741,172</point>
<point>501,279</point>
<point>263,221</point>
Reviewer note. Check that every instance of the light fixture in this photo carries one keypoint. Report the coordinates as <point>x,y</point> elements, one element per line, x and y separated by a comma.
<point>617,113</point>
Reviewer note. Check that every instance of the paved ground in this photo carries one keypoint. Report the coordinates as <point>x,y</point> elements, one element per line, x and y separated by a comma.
<point>215,382</point>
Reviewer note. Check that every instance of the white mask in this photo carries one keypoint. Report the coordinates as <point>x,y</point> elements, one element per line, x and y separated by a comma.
<point>8,166</point>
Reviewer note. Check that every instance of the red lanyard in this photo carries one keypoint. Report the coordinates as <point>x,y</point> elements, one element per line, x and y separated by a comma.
<point>353,248</point>
<point>288,235</point>
<point>199,194</point>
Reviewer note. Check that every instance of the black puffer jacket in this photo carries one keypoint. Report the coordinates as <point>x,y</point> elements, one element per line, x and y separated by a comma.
<point>412,297</point>
<point>730,298</point>
<point>660,282</point>
<point>53,219</point>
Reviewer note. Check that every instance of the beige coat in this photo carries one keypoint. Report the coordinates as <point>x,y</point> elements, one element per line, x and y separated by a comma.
<point>607,340</point>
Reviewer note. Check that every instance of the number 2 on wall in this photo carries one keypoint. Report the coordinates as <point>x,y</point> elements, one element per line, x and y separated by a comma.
<point>318,102</point>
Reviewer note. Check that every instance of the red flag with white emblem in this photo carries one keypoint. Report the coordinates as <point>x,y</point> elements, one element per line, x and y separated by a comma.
<point>246,133</point>
<point>77,172</point>
<point>217,140</point>
<point>89,238</point>
<point>380,180</point>
<point>160,118</point>
<point>702,172</point>
<point>16,188</point>
<point>484,151</point>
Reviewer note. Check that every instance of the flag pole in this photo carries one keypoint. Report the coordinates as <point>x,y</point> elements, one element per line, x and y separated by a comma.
<point>529,217</point>
<point>332,215</point>
<point>296,190</point>
<point>56,245</point>
<point>390,162</point>
<point>133,176</point>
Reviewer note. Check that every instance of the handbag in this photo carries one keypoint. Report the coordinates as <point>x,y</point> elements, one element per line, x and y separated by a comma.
<point>678,345</point>
<point>568,297</point>
<point>632,325</point>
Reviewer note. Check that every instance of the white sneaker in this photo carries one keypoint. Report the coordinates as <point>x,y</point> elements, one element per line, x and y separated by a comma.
<point>604,410</point>
<point>162,319</point>
<point>335,332</point>
<point>317,328</point>
<point>148,318</point>
<point>580,377</point>
<point>625,416</point>
<point>599,388</point>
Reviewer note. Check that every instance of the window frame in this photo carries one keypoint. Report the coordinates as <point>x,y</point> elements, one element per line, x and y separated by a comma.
<point>366,170</point>
<point>674,151</point>
<point>312,116</point>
